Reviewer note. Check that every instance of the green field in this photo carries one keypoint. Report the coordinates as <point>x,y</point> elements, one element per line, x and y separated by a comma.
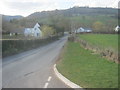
<point>103,41</point>
<point>86,69</point>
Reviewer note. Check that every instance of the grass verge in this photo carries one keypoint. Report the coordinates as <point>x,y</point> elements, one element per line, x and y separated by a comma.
<point>86,69</point>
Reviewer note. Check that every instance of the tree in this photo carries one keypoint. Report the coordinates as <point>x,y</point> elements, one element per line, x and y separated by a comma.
<point>98,27</point>
<point>47,30</point>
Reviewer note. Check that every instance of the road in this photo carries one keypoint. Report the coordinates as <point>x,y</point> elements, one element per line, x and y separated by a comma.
<point>34,68</point>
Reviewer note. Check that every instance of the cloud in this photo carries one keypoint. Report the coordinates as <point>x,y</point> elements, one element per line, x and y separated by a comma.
<point>26,7</point>
<point>96,3</point>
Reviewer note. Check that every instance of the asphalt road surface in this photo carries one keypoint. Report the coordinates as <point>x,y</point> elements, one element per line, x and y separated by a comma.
<point>34,68</point>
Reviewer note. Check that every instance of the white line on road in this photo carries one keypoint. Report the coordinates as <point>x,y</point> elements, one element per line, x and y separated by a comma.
<point>49,78</point>
<point>46,85</point>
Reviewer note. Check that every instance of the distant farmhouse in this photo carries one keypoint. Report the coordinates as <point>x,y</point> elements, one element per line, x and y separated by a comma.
<point>83,30</point>
<point>35,31</point>
<point>117,29</point>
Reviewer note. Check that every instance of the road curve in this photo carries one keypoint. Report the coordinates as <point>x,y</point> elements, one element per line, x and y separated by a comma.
<point>34,68</point>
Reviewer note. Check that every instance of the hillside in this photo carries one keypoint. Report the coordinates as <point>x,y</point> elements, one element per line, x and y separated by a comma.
<point>76,11</point>
<point>8,18</point>
<point>8,26</point>
<point>67,19</point>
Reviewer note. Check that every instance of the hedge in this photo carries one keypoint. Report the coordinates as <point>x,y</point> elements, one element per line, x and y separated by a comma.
<point>10,47</point>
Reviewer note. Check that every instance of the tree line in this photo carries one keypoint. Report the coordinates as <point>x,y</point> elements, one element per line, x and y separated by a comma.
<point>56,22</point>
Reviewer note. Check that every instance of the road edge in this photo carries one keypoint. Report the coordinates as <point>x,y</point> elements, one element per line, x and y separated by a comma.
<point>64,79</point>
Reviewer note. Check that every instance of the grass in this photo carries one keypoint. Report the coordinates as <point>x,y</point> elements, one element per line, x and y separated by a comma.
<point>103,41</point>
<point>86,69</point>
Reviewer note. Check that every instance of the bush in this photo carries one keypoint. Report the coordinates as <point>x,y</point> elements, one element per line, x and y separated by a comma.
<point>10,47</point>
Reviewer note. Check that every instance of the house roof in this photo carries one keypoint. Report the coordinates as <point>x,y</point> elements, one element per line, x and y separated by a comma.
<point>18,30</point>
<point>118,26</point>
<point>37,25</point>
<point>85,28</point>
<point>31,24</point>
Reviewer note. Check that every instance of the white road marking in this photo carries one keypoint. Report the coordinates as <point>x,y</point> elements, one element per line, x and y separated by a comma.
<point>46,85</point>
<point>49,78</point>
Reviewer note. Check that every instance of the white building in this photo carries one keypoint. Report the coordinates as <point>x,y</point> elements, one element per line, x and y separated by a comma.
<point>117,28</point>
<point>35,31</point>
<point>82,30</point>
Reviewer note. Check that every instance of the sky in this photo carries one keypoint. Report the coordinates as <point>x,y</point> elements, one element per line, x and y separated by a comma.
<point>26,7</point>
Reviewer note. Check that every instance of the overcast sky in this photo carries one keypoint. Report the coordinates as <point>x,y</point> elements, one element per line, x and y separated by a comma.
<point>26,7</point>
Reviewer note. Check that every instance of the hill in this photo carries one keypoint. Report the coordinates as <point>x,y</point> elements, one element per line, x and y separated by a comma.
<point>68,19</point>
<point>8,18</point>
<point>76,11</point>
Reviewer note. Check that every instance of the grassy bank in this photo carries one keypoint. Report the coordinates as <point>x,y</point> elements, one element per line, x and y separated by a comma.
<point>86,69</point>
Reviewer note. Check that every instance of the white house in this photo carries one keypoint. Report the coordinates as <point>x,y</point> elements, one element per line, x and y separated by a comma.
<point>79,30</point>
<point>82,30</point>
<point>117,28</point>
<point>35,31</point>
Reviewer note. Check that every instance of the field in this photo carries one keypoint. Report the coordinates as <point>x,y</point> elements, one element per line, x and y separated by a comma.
<point>86,69</point>
<point>104,41</point>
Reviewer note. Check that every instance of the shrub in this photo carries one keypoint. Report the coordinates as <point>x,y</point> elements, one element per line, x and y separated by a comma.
<point>10,47</point>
